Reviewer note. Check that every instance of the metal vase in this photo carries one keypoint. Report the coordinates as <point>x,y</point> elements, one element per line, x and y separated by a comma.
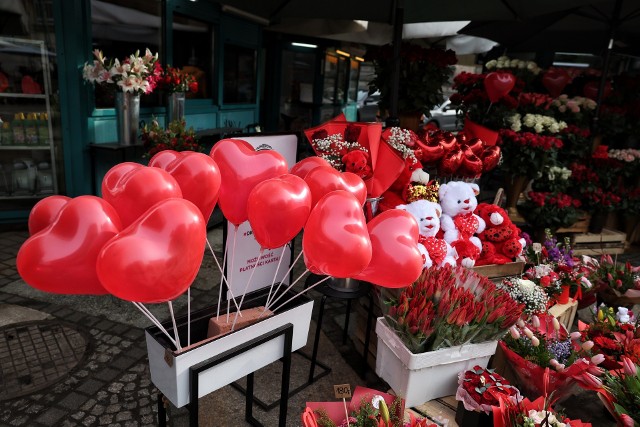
<point>175,106</point>
<point>127,117</point>
<point>345,285</point>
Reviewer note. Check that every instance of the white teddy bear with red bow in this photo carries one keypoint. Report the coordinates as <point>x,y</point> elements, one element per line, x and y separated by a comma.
<point>459,223</point>
<point>434,250</point>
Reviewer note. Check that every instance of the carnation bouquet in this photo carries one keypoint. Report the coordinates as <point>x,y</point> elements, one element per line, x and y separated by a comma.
<point>176,137</point>
<point>543,209</point>
<point>136,74</point>
<point>451,306</point>
<point>527,153</point>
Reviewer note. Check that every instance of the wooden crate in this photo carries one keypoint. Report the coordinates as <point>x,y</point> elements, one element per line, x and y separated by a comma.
<point>608,242</point>
<point>498,271</point>
<point>441,410</point>
<point>565,313</point>
<point>581,226</point>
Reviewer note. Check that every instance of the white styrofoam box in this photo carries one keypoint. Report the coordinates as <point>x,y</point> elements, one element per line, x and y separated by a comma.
<point>172,378</point>
<point>421,377</point>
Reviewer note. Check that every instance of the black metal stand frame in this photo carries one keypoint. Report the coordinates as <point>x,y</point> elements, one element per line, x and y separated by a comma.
<point>196,370</point>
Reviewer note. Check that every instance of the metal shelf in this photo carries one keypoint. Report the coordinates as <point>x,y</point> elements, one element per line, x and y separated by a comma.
<point>26,196</point>
<point>23,95</point>
<point>25,147</point>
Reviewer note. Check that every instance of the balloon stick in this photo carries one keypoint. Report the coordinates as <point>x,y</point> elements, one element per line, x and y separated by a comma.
<point>300,293</point>
<point>175,328</point>
<point>246,287</point>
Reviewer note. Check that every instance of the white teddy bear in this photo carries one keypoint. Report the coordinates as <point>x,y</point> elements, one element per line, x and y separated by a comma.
<point>434,251</point>
<point>459,223</point>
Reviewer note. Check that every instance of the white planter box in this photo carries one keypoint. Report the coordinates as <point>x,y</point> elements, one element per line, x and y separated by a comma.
<point>421,377</point>
<point>170,370</point>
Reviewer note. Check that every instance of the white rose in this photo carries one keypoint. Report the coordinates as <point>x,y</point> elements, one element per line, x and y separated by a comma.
<point>526,285</point>
<point>491,64</point>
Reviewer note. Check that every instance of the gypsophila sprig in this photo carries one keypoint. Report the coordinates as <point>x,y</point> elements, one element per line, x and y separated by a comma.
<point>400,139</point>
<point>526,292</point>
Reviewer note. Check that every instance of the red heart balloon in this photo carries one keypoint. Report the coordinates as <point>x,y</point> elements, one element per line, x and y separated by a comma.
<point>396,261</point>
<point>242,168</point>
<point>113,175</point>
<point>335,240</point>
<point>476,145</point>
<point>156,258</point>
<point>322,181</point>
<point>44,212</point>
<point>61,258</point>
<point>431,152</point>
<point>462,138</point>
<point>490,158</point>
<point>162,158</point>
<point>304,166</point>
<point>278,208</point>
<point>497,84</point>
<point>590,90</point>
<point>555,80</point>
<point>450,162</point>
<point>135,191</point>
<point>471,165</point>
<point>198,177</point>
<point>448,141</point>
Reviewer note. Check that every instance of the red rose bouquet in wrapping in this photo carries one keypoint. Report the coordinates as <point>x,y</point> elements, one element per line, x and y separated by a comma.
<point>358,148</point>
<point>451,306</point>
<point>544,343</point>
<point>479,389</point>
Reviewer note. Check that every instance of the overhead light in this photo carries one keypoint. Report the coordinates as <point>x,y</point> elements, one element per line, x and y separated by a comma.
<point>343,53</point>
<point>243,14</point>
<point>571,64</point>
<point>357,58</point>
<point>309,45</point>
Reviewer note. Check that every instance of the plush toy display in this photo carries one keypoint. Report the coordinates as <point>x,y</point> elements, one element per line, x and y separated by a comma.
<point>459,223</point>
<point>435,251</point>
<point>356,161</point>
<point>501,241</point>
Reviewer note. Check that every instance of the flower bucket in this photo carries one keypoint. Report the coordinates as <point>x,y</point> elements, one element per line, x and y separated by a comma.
<point>127,117</point>
<point>170,369</point>
<point>563,298</point>
<point>421,377</point>
<point>490,137</point>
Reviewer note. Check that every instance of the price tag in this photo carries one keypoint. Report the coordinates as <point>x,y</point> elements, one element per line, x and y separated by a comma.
<point>342,391</point>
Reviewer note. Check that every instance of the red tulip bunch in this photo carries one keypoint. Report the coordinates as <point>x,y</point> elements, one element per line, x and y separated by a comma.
<point>457,156</point>
<point>451,306</point>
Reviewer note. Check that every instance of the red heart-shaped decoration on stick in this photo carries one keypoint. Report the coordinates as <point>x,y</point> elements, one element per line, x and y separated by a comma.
<point>498,84</point>
<point>304,166</point>
<point>198,177</point>
<point>448,141</point>
<point>476,145</point>
<point>278,208</point>
<point>590,90</point>
<point>431,152</point>
<point>396,261</point>
<point>450,162</point>
<point>335,240</point>
<point>138,189</point>
<point>61,258</point>
<point>242,168</point>
<point>490,158</point>
<point>162,158</point>
<point>555,80</point>
<point>471,165</point>
<point>44,212</point>
<point>322,181</point>
<point>157,258</point>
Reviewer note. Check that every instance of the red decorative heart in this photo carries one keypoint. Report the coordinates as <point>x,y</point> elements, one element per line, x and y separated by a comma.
<point>304,166</point>
<point>590,90</point>
<point>162,158</point>
<point>471,165</point>
<point>450,162</point>
<point>490,158</point>
<point>278,208</point>
<point>157,258</point>
<point>555,80</point>
<point>335,240</point>
<point>476,145</point>
<point>198,177</point>
<point>242,168</point>
<point>396,261</point>
<point>431,152</point>
<point>61,258</point>
<point>448,141</point>
<point>462,137</point>
<point>45,211</point>
<point>137,189</point>
<point>498,84</point>
<point>322,181</point>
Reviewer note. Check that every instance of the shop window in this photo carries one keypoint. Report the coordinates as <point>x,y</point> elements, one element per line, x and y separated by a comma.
<point>120,28</point>
<point>239,75</point>
<point>192,52</point>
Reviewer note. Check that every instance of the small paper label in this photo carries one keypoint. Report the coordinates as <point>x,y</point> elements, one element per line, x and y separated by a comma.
<point>168,357</point>
<point>342,391</point>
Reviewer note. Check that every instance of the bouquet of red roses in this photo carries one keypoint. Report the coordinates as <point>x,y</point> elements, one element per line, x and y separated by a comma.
<point>479,389</point>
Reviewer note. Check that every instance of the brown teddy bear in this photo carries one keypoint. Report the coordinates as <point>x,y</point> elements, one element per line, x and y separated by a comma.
<point>501,242</point>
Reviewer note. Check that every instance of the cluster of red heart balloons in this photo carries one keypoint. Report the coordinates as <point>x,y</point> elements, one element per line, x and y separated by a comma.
<point>457,155</point>
<point>143,241</point>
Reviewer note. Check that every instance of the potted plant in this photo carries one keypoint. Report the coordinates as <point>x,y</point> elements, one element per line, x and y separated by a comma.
<point>445,322</point>
<point>423,72</point>
<point>176,137</point>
